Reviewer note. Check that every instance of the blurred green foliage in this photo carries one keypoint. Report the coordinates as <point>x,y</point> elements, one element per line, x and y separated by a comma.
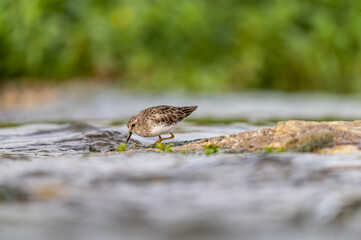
<point>209,45</point>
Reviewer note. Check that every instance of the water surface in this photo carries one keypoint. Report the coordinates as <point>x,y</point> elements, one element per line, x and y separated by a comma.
<point>52,186</point>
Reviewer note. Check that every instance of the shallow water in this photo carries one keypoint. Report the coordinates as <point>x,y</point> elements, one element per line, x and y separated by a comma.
<point>252,107</point>
<point>52,186</point>
<point>76,138</point>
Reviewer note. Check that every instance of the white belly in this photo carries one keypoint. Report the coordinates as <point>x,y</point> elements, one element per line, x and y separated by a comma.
<point>160,129</point>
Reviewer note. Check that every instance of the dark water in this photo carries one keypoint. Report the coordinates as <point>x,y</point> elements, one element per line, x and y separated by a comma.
<point>53,187</point>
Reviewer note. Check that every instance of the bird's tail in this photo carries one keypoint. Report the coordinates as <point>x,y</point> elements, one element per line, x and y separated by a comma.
<point>188,110</point>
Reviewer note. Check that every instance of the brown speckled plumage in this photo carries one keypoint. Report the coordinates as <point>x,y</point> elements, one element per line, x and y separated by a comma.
<point>158,120</point>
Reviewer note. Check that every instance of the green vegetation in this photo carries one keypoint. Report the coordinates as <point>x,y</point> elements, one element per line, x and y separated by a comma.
<point>122,147</point>
<point>210,149</point>
<point>272,150</point>
<point>163,147</point>
<point>194,45</point>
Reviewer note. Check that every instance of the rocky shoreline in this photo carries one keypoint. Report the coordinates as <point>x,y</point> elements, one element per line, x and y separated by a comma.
<point>333,137</point>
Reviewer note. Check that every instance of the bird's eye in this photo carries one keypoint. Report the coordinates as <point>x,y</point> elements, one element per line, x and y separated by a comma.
<point>133,125</point>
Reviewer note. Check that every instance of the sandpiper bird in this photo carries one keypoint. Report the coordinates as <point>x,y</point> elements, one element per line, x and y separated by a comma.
<point>157,120</point>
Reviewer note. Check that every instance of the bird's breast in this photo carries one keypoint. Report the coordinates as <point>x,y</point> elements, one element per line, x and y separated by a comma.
<point>160,129</point>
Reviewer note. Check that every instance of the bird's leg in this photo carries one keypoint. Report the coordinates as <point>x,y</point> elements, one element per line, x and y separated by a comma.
<point>171,137</point>
<point>161,139</point>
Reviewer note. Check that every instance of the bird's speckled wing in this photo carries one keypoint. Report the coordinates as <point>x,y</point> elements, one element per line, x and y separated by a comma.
<point>168,115</point>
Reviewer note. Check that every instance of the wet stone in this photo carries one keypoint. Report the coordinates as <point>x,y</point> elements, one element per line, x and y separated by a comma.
<point>295,136</point>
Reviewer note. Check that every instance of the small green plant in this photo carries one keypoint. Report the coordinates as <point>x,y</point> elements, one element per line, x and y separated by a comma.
<point>281,149</point>
<point>122,147</point>
<point>163,147</point>
<point>270,149</point>
<point>210,149</point>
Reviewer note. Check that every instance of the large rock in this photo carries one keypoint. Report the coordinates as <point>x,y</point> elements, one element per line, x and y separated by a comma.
<point>299,136</point>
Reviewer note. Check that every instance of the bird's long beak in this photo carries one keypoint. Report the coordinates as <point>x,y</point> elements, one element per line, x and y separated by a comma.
<point>130,134</point>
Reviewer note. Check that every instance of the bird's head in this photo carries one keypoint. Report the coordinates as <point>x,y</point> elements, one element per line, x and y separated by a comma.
<point>131,125</point>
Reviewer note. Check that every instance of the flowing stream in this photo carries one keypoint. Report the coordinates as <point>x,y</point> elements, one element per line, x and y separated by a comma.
<point>53,187</point>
